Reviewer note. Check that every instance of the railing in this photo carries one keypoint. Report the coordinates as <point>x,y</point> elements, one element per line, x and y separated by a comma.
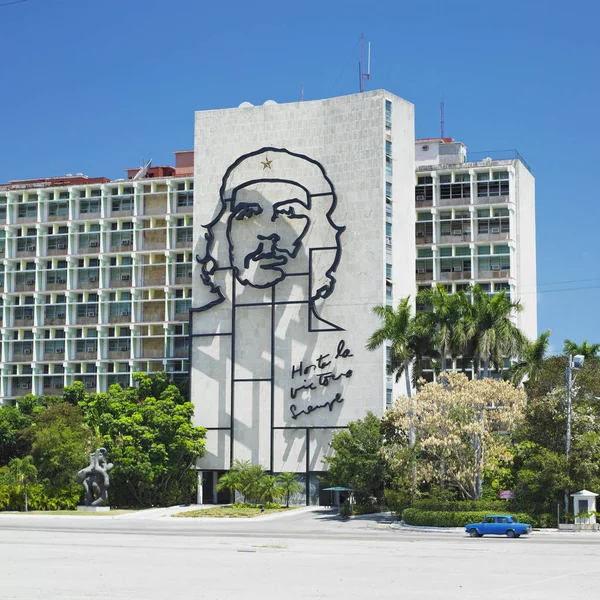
<point>496,155</point>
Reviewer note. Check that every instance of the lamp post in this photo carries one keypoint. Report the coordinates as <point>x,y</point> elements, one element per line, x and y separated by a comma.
<point>574,364</point>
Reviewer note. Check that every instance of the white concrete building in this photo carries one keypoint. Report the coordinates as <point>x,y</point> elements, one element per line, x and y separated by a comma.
<point>95,279</point>
<point>303,222</point>
<point>475,224</point>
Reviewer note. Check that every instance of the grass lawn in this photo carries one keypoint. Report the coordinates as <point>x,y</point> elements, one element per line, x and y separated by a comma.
<point>232,512</point>
<point>110,513</point>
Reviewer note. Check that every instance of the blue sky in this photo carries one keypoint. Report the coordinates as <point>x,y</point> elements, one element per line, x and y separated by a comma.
<point>98,86</point>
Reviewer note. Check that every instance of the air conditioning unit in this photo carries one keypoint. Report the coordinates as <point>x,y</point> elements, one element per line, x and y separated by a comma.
<point>89,384</point>
<point>124,313</point>
<point>90,349</point>
<point>61,246</point>
<point>420,197</point>
<point>60,280</point>
<point>495,229</point>
<point>420,234</point>
<point>92,279</point>
<point>420,271</point>
<point>495,267</point>
<point>94,244</point>
<point>457,269</point>
<point>25,386</point>
<point>457,232</point>
<point>125,277</point>
<point>125,242</point>
<point>27,351</point>
<point>30,248</point>
<point>60,315</point>
<point>91,313</point>
<point>60,350</point>
<point>29,282</point>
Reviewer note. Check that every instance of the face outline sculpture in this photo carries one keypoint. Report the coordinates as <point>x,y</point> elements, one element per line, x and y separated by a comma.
<point>262,229</point>
<point>265,236</point>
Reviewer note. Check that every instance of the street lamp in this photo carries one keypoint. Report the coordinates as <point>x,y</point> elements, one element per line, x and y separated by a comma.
<point>575,363</point>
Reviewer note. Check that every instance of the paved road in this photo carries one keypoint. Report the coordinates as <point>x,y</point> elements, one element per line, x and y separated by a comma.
<point>309,555</point>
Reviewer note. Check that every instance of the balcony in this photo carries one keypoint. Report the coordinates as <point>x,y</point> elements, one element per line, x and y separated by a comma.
<point>86,355</point>
<point>123,316</point>
<point>90,317</point>
<point>492,199</point>
<point>59,284</point>
<point>119,354</point>
<point>91,247</point>
<point>423,203</point>
<point>23,356</point>
<point>53,390</point>
<point>121,280</point>
<point>494,274</point>
<point>427,276</point>
<point>88,284</point>
<point>454,201</point>
<point>57,319</point>
<point>456,237</point>
<point>424,238</point>
<point>181,352</point>
<point>493,236</point>
<point>25,286</point>
<point>455,275</point>
<point>58,248</point>
<point>26,250</point>
<point>56,354</point>
<point>152,316</point>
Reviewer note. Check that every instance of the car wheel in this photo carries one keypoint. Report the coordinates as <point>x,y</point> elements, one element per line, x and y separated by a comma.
<point>473,533</point>
<point>511,533</point>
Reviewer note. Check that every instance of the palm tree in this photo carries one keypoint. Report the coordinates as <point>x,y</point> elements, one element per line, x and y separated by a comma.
<point>269,488</point>
<point>396,329</point>
<point>445,320</point>
<point>489,326</point>
<point>289,485</point>
<point>585,349</point>
<point>22,472</point>
<point>530,360</point>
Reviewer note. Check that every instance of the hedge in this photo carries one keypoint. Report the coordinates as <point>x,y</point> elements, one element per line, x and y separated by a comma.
<point>496,506</point>
<point>438,518</point>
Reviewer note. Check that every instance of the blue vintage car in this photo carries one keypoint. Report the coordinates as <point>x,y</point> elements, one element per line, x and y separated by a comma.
<point>498,525</point>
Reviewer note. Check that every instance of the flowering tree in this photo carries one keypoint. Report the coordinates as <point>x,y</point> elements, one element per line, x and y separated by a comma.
<point>461,429</point>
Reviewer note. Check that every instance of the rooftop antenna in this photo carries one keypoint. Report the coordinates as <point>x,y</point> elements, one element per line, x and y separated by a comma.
<point>142,172</point>
<point>361,65</point>
<point>442,119</point>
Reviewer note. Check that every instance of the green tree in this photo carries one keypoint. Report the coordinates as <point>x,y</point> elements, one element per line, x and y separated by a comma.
<point>444,320</point>
<point>21,473</point>
<point>584,349</point>
<point>531,359</point>
<point>60,444</point>
<point>269,489</point>
<point>12,424</point>
<point>289,485</point>
<point>407,338</point>
<point>232,480</point>
<point>150,439</point>
<point>491,332</point>
<point>358,462</point>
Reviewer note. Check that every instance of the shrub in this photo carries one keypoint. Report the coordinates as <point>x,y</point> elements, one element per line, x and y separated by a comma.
<point>397,501</point>
<point>438,518</point>
<point>500,506</point>
<point>272,505</point>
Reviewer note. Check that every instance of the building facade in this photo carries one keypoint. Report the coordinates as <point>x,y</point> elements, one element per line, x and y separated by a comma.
<point>303,222</point>
<point>96,279</point>
<point>475,224</point>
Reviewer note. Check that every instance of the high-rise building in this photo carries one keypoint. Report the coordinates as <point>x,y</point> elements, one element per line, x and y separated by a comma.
<point>475,224</point>
<point>304,220</point>
<point>95,278</point>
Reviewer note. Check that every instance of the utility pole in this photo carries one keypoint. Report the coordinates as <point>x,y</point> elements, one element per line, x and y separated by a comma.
<point>574,363</point>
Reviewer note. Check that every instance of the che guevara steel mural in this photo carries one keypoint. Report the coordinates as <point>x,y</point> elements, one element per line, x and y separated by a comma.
<point>275,234</point>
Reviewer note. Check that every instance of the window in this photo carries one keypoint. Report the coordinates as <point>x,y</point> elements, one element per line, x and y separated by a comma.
<point>388,271</point>
<point>462,251</point>
<point>450,191</point>
<point>483,176</point>
<point>424,216</point>
<point>492,188</point>
<point>388,165</point>
<point>500,175</point>
<point>424,189</point>
<point>56,276</point>
<point>86,346</point>
<point>121,204</point>
<point>388,148</point>
<point>445,178</point>
<point>462,177</point>
<point>388,191</point>
<point>424,253</point>
<point>388,114</point>
<point>56,311</point>
<point>24,313</point>
<point>388,291</point>
<point>501,249</point>
<point>185,234</point>
<point>89,206</point>
<point>54,347</point>
<point>119,345</point>
<point>27,211</point>
<point>183,270</point>
<point>58,209</point>
<point>388,229</point>
<point>185,199</point>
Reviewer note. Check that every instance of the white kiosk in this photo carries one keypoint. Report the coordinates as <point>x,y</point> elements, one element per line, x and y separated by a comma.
<point>583,502</point>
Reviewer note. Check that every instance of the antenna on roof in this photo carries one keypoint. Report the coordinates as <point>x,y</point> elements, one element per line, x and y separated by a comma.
<point>361,65</point>
<point>142,172</point>
<point>442,119</point>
